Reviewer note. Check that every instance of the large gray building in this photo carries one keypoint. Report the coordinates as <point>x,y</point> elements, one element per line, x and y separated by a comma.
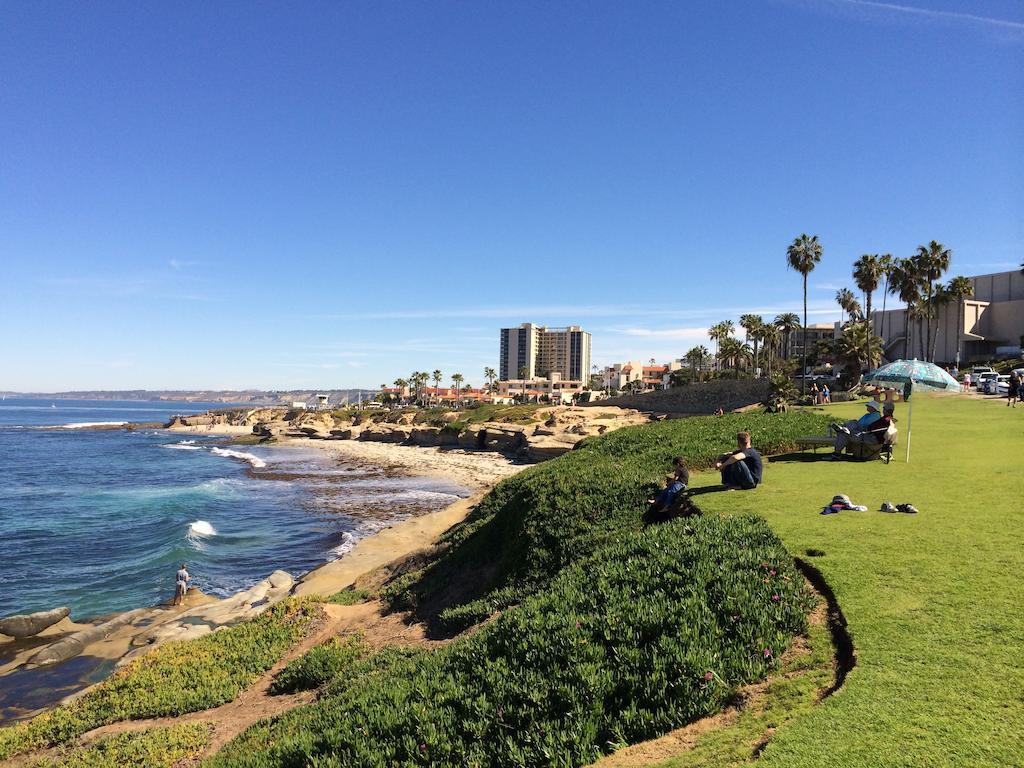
<point>541,351</point>
<point>992,318</point>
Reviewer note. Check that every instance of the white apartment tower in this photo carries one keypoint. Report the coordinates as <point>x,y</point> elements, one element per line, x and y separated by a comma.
<point>542,351</point>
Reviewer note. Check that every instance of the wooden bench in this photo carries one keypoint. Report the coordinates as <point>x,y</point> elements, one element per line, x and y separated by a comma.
<point>814,442</point>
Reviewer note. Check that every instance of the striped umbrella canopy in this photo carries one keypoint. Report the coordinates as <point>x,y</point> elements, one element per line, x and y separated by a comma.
<point>920,374</point>
<point>911,375</point>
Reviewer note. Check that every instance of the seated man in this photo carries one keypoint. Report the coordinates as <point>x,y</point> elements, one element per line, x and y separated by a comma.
<point>870,428</point>
<point>741,469</point>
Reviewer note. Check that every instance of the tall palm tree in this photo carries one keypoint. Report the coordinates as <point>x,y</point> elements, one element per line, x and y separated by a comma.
<point>904,281</point>
<point>867,273</point>
<point>940,298</point>
<point>803,254</point>
<point>457,379</point>
<point>934,261</point>
<point>886,262</point>
<point>437,377</point>
<point>490,374</point>
<point>959,289</point>
<point>752,325</point>
<point>770,335</point>
<point>845,300</point>
<point>788,322</point>
<point>524,371</point>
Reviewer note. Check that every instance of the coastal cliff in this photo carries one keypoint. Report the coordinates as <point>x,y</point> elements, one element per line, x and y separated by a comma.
<point>528,433</point>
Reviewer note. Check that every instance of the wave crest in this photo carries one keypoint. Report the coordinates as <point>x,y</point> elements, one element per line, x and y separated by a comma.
<point>256,461</point>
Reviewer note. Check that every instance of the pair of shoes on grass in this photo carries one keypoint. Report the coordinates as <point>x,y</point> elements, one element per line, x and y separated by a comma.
<point>888,506</point>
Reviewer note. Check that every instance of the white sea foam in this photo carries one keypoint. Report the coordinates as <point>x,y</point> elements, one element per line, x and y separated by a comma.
<point>182,447</point>
<point>87,424</point>
<point>201,528</point>
<point>256,461</point>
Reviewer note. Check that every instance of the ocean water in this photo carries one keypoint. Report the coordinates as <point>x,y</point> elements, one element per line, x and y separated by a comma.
<point>99,520</point>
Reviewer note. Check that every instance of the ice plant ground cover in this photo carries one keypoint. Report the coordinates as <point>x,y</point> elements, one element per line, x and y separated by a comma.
<point>933,600</point>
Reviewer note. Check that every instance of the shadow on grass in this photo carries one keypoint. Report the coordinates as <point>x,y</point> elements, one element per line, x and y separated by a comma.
<point>802,457</point>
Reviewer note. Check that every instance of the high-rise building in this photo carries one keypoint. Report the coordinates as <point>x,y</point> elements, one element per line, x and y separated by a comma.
<point>540,351</point>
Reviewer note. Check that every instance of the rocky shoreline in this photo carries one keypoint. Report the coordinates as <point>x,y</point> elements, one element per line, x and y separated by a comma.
<point>39,645</point>
<point>549,433</point>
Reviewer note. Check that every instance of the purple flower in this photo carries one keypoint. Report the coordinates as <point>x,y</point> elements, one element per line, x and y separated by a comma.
<point>775,598</point>
<point>767,653</point>
<point>709,675</point>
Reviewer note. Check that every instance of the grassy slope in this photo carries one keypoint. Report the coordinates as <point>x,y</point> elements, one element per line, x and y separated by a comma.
<point>933,601</point>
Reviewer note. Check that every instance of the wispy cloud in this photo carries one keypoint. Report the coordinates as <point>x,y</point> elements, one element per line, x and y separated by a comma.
<point>828,286</point>
<point>663,333</point>
<point>547,314</point>
<point>899,10</point>
<point>181,263</point>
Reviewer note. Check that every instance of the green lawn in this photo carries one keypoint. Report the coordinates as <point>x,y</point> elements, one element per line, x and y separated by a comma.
<point>933,601</point>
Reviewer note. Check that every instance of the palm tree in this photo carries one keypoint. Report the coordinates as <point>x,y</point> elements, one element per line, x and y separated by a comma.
<point>788,323</point>
<point>400,384</point>
<point>524,371</point>
<point>886,262</point>
<point>735,350</point>
<point>959,289</point>
<point>437,377</point>
<point>457,379</point>
<point>752,326</point>
<point>867,273</point>
<point>939,299</point>
<point>904,281</point>
<point>770,335</point>
<point>719,332</point>
<point>845,299</point>
<point>490,374</point>
<point>934,261</point>
<point>803,254</point>
<point>856,347</point>
<point>696,358</point>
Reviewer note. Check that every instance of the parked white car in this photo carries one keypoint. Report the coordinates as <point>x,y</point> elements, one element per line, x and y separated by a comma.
<point>981,382</point>
<point>1000,385</point>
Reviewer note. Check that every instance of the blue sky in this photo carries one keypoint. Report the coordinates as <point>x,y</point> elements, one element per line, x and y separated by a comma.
<point>330,195</point>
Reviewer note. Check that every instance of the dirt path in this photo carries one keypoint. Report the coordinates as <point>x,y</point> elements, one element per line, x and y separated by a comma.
<point>256,703</point>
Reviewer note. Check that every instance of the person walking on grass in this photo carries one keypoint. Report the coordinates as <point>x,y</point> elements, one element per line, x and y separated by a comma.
<point>741,470</point>
<point>181,585</point>
<point>1013,390</point>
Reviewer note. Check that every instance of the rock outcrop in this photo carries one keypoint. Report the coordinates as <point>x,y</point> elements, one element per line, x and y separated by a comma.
<point>74,644</point>
<point>31,624</point>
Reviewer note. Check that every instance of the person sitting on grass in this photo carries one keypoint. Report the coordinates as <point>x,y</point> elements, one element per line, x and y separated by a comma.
<point>741,469</point>
<point>661,507</point>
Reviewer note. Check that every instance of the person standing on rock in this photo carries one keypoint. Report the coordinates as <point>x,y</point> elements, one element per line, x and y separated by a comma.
<point>181,587</point>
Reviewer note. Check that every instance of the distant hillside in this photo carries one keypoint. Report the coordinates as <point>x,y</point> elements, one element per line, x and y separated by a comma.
<point>254,396</point>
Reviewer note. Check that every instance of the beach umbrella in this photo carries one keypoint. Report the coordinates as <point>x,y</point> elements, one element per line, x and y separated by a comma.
<point>912,375</point>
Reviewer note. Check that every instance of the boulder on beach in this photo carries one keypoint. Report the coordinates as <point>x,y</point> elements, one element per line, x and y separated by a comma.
<point>31,624</point>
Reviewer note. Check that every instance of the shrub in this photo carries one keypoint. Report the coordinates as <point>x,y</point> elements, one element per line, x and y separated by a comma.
<point>349,596</point>
<point>176,678</point>
<point>151,748</point>
<point>318,665</point>
<point>649,633</point>
<point>536,523</point>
